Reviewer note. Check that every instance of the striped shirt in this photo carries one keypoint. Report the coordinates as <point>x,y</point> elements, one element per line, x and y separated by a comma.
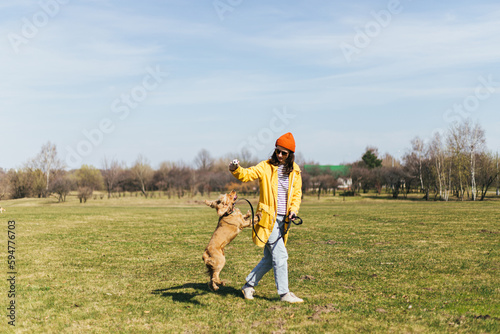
<point>282,191</point>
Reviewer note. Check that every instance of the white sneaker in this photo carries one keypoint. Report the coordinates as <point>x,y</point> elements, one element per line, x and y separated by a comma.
<point>248,291</point>
<point>291,298</point>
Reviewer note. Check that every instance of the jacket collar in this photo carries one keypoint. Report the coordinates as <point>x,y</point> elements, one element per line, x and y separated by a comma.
<point>296,167</point>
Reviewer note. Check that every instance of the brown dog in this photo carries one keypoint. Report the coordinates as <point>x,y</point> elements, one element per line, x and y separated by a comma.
<point>231,223</point>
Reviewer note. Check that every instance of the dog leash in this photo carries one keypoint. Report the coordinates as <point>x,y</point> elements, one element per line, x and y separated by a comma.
<point>295,217</point>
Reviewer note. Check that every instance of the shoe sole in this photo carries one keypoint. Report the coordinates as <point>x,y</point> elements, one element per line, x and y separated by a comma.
<point>294,302</point>
<point>245,297</point>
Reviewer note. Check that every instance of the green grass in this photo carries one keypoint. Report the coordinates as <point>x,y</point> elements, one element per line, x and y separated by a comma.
<point>133,265</point>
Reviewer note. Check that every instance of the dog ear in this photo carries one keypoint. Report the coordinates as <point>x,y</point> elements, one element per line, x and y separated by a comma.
<point>210,203</point>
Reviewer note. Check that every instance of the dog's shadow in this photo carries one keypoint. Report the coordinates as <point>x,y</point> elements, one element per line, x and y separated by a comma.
<point>200,289</point>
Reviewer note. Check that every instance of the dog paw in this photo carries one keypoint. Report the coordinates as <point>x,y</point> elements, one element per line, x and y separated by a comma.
<point>212,286</point>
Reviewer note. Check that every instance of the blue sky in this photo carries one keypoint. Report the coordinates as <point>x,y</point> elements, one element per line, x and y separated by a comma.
<point>166,79</point>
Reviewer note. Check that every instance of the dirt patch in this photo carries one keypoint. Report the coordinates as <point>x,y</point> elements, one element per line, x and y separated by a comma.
<point>275,308</point>
<point>485,317</point>
<point>319,310</point>
<point>333,242</point>
<point>490,232</point>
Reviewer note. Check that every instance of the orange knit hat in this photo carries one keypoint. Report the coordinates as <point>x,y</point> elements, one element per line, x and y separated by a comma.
<point>287,141</point>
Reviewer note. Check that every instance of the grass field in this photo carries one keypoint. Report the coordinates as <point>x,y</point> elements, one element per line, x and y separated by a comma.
<point>133,265</point>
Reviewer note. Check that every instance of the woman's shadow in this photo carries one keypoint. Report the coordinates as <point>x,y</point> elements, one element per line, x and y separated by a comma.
<point>200,289</point>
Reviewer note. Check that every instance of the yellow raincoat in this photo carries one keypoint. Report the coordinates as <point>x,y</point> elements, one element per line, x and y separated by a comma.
<point>268,201</point>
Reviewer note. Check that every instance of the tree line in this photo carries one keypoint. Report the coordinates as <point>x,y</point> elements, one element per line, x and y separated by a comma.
<point>456,165</point>
<point>45,175</point>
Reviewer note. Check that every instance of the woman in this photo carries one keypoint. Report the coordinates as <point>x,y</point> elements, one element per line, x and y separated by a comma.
<point>280,196</point>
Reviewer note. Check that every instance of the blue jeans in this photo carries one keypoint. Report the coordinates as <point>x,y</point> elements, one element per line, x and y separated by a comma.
<point>275,257</point>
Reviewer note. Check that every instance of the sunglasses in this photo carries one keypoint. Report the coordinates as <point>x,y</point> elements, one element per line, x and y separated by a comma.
<point>283,153</point>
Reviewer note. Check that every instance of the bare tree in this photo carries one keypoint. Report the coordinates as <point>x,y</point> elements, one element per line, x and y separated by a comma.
<point>4,185</point>
<point>442,166</point>
<point>126,181</point>
<point>160,177</point>
<point>487,172</point>
<point>204,160</point>
<point>457,146</point>
<point>48,162</point>
<point>390,161</point>
<point>111,171</point>
<point>475,145</point>
<point>465,142</point>
<point>143,173</point>
<point>61,185</point>
<point>180,177</point>
<point>306,181</point>
<point>396,179</point>
<point>418,149</point>
<point>201,178</point>
<point>325,182</point>
<point>358,173</point>
<point>246,159</point>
